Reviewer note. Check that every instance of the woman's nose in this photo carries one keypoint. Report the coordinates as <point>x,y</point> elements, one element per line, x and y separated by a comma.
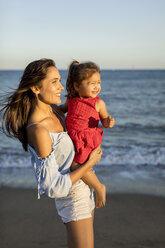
<point>61,86</point>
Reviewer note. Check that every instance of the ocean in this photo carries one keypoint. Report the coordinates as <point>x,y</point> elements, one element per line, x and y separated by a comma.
<point>133,158</point>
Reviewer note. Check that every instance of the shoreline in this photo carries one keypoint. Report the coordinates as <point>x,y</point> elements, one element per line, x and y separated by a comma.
<point>128,220</point>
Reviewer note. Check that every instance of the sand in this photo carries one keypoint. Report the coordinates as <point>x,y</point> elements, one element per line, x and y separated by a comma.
<point>128,220</point>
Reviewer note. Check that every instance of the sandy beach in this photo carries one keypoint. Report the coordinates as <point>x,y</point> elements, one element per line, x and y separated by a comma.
<point>130,221</point>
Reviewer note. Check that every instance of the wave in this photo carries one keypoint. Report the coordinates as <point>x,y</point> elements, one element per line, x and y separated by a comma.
<point>140,126</point>
<point>123,168</point>
<point>134,155</point>
<point>124,155</point>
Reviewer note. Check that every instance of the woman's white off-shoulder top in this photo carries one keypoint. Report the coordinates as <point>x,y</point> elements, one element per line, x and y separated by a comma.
<point>52,172</point>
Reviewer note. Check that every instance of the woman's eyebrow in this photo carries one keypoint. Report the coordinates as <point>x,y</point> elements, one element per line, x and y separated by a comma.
<point>56,78</point>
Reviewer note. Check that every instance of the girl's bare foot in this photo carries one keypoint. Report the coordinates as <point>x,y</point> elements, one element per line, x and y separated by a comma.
<point>101,196</point>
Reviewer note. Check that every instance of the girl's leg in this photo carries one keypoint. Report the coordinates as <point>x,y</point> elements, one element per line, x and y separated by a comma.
<point>91,179</point>
<point>80,233</point>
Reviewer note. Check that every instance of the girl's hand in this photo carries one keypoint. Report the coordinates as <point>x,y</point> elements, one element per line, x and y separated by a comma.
<point>108,122</point>
<point>111,121</point>
<point>95,155</point>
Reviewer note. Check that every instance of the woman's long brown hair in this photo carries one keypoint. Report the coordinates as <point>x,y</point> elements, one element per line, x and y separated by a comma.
<point>17,107</point>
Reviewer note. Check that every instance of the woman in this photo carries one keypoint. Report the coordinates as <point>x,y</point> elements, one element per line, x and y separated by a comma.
<point>31,115</point>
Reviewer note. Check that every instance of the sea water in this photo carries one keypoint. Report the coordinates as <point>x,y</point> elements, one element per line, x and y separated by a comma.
<point>133,158</point>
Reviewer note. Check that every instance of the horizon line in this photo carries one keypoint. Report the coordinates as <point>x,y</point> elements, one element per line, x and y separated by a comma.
<point>102,69</point>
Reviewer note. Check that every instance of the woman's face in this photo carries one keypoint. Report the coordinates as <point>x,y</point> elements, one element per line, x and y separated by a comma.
<point>50,92</point>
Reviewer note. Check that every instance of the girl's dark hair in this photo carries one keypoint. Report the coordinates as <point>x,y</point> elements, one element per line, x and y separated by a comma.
<point>77,73</point>
<point>17,107</point>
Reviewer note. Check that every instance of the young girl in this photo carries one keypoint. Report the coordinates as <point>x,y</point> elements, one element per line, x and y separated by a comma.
<point>85,109</point>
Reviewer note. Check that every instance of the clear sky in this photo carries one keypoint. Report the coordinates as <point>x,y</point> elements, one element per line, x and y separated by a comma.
<point>116,34</point>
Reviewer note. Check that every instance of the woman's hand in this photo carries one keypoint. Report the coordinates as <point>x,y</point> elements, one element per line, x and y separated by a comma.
<point>78,172</point>
<point>95,155</point>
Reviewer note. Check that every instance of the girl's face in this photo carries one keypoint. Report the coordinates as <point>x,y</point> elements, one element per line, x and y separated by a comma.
<point>89,87</point>
<point>50,92</point>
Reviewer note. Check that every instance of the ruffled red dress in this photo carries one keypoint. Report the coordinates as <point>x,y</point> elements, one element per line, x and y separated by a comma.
<point>82,126</point>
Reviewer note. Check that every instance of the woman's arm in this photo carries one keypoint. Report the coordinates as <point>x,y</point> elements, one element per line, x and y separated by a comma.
<point>50,180</point>
<point>106,120</point>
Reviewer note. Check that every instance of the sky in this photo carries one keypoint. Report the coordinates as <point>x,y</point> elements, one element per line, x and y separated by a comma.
<point>115,34</point>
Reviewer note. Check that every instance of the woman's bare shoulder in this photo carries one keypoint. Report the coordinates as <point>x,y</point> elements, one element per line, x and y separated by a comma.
<point>39,138</point>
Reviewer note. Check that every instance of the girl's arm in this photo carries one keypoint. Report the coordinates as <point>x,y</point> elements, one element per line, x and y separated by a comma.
<point>64,107</point>
<point>106,120</point>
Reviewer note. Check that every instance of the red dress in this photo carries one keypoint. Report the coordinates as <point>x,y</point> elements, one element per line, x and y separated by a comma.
<point>82,126</point>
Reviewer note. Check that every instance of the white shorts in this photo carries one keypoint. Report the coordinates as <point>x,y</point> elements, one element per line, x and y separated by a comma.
<point>77,205</point>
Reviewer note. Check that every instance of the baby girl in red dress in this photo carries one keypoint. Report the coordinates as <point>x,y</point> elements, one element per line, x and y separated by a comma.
<point>85,109</point>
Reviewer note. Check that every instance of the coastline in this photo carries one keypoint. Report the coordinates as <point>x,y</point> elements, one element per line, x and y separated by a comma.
<point>128,220</point>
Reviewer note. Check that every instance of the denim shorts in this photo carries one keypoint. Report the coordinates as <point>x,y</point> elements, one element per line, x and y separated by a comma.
<point>78,204</point>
